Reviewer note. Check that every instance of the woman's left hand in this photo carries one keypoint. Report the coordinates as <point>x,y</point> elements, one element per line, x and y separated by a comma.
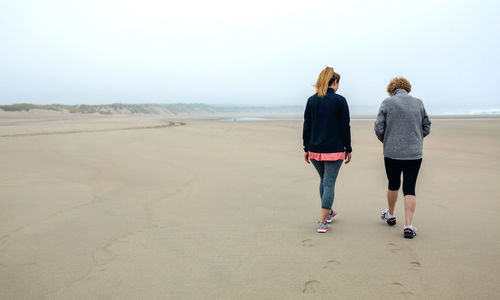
<point>306,157</point>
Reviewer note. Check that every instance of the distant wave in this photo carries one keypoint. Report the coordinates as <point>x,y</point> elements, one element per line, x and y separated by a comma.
<point>492,111</point>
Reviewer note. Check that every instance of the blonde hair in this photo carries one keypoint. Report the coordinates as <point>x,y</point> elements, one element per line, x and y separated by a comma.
<point>325,79</point>
<point>398,83</point>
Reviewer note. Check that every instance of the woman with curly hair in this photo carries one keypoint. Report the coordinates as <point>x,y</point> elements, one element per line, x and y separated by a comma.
<point>401,125</point>
<point>327,138</point>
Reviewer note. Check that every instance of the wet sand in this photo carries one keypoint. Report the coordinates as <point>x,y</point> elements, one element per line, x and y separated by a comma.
<point>130,208</point>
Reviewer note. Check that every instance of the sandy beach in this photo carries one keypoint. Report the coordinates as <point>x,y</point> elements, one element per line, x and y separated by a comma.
<point>149,207</point>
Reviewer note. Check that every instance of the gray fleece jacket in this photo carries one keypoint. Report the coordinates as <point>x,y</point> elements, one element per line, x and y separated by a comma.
<point>401,125</point>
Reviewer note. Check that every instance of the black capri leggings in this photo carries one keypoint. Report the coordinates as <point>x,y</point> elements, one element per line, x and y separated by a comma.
<point>410,168</point>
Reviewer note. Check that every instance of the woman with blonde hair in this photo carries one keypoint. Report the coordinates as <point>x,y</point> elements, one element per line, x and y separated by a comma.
<point>401,125</point>
<point>327,139</point>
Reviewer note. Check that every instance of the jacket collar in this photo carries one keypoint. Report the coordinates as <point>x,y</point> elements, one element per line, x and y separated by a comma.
<point>400,91</point>
<point>330,90</point>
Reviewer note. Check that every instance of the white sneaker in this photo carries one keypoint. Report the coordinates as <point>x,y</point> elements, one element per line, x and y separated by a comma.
<point>410,231</point>
<point>391,220</point>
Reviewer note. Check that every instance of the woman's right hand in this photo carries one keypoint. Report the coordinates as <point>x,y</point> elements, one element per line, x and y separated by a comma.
<point>347,157</point>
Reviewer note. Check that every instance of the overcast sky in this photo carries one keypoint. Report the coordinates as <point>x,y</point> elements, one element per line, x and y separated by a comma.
<point>247,52</point>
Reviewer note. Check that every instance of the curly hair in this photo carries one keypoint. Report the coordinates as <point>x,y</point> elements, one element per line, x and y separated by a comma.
<point>398,83</point>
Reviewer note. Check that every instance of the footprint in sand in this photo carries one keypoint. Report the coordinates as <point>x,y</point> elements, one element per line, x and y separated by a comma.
<point>331,264</point>
<point>440,205</point>
<point>310,287</point>
<point>394,248</point>
<point>307,243</point>
<point>405,292</point>
<point>416,265</point>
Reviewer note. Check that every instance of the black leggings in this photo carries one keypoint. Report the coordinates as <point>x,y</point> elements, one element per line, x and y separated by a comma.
<point>410,168</point>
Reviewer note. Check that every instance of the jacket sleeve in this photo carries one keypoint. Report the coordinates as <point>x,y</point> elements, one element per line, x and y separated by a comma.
<point>426,123</point>
<point>306,130</point>
<point>345,120</point>
<point>380,122</point>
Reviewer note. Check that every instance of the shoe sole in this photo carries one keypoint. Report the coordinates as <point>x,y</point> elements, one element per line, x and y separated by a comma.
<point>389,222</point>
<point>322,230</point>
<point>409,235</point>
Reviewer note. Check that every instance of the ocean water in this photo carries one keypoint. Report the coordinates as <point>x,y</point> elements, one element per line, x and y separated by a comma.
<point>492,111</point>
<point>357,113</point>
<point>474,114</point>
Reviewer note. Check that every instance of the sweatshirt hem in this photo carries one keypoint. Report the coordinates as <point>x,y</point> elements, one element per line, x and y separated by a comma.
<point>404,157</point>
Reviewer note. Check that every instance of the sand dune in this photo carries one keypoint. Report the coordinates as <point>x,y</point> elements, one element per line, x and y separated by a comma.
<point>225,210</point>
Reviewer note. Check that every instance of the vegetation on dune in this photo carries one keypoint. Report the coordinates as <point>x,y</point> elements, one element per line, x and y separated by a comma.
<point>123,108</point>
<point>115,108</point>
<point>29,106</point>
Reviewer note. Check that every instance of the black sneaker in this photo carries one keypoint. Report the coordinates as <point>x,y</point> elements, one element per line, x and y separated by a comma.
<point>410,231</point>
<point>391,220</point>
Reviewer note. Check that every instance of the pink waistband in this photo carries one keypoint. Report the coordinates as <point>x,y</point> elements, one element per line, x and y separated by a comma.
<point>326,156</point>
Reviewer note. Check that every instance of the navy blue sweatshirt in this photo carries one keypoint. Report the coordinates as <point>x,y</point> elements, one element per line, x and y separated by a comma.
<point>326,124</point>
